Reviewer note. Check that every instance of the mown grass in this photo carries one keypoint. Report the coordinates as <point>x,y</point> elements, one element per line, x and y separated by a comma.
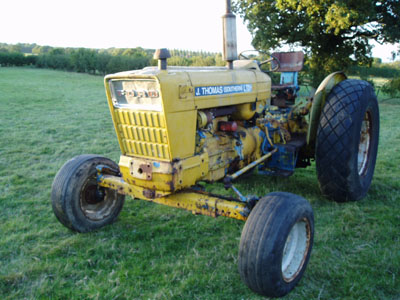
<point>157,252</point>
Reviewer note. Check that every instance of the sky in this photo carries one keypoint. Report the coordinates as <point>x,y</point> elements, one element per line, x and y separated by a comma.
<point>173,24</point>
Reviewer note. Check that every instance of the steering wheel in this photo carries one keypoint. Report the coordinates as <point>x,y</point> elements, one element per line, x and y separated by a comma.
<point>272,60</point>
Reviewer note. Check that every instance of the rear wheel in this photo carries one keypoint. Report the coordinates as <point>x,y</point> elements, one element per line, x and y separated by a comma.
<point>77,200</point>
<point>347,141</point>
<point>276,244</point>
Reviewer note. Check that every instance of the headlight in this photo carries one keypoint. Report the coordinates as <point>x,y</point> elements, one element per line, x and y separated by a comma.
<point>136,94</point>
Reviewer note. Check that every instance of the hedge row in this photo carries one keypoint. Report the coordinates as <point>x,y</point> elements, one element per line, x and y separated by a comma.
<point>79,60</point>
<point>95,62</point>
<point>381,71</point>
<point>92,63</point>
<point>8,59</point>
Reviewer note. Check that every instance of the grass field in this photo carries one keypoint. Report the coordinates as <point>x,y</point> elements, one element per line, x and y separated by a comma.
<point>157,252</point>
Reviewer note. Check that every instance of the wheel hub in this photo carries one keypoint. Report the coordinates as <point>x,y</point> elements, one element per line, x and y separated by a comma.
<point>296,249</point>
<point>364,145</point>
<point>96,204</point>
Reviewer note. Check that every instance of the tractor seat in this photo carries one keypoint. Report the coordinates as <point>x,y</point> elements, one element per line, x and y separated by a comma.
<point>290,64</point>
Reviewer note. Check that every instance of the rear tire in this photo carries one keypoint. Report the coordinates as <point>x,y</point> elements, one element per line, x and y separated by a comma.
<point>276,244</point>
<point>77,201</point>
<point>347,141</point>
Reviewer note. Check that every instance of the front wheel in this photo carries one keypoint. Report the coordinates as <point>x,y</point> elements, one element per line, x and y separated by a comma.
<point>77,200</point>
<point>276,244</point>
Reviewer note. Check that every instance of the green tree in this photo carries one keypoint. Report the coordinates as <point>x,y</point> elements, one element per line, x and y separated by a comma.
<point>178,61</point>
<point>219,61</point>
<point>57,51</point>
<point>102,62</point>
<point>392,87</point>
<point>334,33</point>
<point>84,60</point>
<point>117,51</point>
<point>15,48</point>
<point>41,49</point>
<point>377,61</point>
<point>135,52</point>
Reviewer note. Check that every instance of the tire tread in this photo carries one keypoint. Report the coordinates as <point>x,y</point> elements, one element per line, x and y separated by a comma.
<point>261,240</point>
<point>335,139</point>
<point>62,194</point>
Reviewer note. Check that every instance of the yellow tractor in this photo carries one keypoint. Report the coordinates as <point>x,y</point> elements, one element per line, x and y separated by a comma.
<point>178,126</point>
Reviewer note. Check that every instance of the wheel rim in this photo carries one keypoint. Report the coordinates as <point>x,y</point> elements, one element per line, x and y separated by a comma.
<point>364,145</point>
<point>94,206</point>
<point>296,249</point>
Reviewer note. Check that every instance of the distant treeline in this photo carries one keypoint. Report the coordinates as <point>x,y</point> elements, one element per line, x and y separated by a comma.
<point>92,61</point>
<point>98,61</point>
<point>387,70</point>
<point>112,60</point>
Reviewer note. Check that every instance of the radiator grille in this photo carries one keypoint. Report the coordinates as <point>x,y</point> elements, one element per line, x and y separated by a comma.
<point>143,133</point>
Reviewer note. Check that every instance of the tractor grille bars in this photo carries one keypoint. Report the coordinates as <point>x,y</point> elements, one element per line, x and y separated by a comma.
<point>143,133</point>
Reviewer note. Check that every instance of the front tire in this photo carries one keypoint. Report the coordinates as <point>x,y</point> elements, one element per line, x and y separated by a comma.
<point>77,201</point>
<point>347,141</point>
<point>276,244</point>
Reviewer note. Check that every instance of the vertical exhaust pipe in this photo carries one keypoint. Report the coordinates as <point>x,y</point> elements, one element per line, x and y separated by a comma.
<point>229,31</point>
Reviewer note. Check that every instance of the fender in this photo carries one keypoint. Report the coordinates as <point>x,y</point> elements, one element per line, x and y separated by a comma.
<point>321,93</point>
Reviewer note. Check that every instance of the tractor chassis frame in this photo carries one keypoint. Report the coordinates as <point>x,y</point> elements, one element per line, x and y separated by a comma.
<point>198,202</point>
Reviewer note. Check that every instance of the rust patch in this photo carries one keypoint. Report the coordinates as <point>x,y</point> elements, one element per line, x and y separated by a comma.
<point>150,194</point>
<point>171,185</point>
<point>174,171</point>
<point>146,169</point>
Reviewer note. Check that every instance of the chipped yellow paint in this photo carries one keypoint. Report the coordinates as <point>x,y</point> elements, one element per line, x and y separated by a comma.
<point>162,175</point>
<point>165,134</point>
<point>170,133</point>
<point>197,203</point>
<point>155,115</point>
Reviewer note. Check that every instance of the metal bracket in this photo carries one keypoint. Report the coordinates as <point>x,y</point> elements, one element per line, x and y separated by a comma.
<point>106,170</point>
<point>228,179</point>
<point>250,200</point>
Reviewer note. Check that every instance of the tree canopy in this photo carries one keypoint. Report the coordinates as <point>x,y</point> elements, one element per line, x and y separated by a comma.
<point>334,34</point>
